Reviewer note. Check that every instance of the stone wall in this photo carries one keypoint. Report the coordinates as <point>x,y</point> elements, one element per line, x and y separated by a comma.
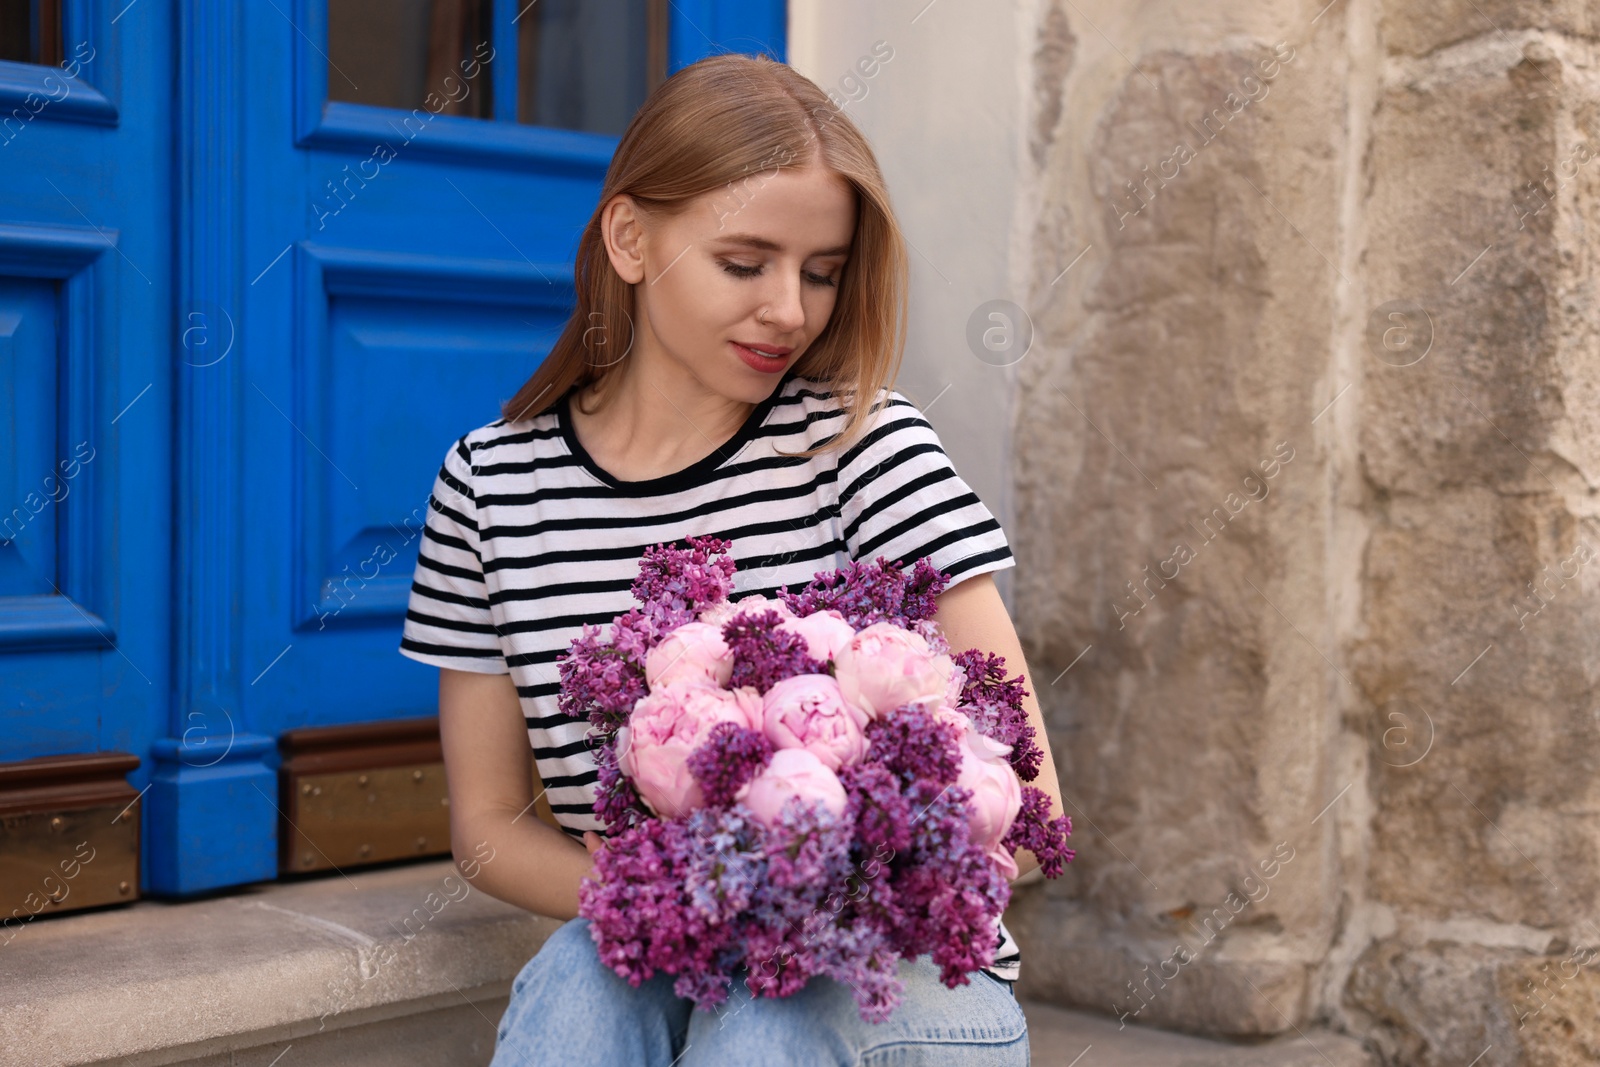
<point>1304,460</point>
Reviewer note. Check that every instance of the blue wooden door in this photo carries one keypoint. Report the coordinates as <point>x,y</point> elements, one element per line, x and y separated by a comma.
<point>259,265</point>
<point>86,339</point>
<point>383,201</point>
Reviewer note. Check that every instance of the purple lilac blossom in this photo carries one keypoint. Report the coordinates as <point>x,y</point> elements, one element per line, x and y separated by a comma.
<point>729,757</point>
<point>601,681</point>
<point>1035,831</point>
<point>675,584</point>
<point>763,654</point>
<point>915,745</point>
<point>881,814</point>
<point>920,597</point>
<point>617,803</point>
<point>995,704</point>
<point>865,593</point>
<point>949,892</point>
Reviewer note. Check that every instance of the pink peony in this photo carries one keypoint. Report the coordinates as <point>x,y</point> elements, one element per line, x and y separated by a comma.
<point>825,633</point>
<point>1004,860</point>
<point>884,667</point>
<point>694,652</point>
<point>665,727</point>
<point>807,711</point>
<point>952,690</point>
<point>949,713</point>
<point>996,789</point>
<point>793,772</point>
<point>754,603</point>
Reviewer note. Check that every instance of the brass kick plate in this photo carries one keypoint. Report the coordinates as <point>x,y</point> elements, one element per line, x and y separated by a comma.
<point>64,860</point>
<point>349,818</point>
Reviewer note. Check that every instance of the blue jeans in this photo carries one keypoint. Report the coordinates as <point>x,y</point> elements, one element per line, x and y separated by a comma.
<point>570,1009</point>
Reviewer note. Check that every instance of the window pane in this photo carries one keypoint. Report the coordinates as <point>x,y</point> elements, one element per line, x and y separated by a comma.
<point>395,53</point>
<point>30,31</point>
<point>589,64</point>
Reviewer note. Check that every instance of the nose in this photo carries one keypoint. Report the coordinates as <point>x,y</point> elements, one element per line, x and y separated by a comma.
<point>784,311</point>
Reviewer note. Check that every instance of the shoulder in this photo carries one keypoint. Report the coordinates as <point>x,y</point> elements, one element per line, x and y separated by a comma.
<point>502,441</point>
<point>895,429</point>
<point>811,410</point>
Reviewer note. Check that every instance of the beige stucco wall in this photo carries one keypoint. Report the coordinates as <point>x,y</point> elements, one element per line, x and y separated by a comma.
<point>1302,479</point>
<point>958,216</point>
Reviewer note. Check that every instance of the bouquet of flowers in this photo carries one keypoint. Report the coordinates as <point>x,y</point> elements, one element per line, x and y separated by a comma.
<point>804,785</point>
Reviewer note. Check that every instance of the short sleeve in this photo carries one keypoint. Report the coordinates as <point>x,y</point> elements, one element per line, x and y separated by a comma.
<point>900,497</point>
<point>448,621</point>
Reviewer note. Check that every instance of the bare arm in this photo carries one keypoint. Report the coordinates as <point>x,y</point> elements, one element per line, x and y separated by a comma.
<point>498,842</point>
<point>972,615</point>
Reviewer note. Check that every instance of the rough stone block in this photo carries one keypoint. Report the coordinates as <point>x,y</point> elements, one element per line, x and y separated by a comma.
<point>1418,28</point>
<point>1170,488</point>
<point>1556,1003</point>
<point>1439,1004</point>
<point>1479,466</point>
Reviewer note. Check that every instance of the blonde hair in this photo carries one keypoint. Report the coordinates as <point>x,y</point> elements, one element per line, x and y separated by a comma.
<point>712,124</point>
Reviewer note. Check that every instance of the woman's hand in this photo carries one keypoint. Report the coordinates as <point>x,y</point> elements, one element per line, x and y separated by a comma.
<point>594,843</point>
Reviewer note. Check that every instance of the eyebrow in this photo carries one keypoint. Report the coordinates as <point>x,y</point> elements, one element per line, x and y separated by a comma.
<point>753,241</point>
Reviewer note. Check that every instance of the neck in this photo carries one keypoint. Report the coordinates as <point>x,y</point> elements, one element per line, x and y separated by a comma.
<point>644,420</point>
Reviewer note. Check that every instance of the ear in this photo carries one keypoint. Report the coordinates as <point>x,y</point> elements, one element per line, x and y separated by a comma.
<point>622,229</point>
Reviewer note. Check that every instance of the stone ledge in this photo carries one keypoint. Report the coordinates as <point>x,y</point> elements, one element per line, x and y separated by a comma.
<point>265,966</point>
<point>1060,1038</point>
<point>238,980</point>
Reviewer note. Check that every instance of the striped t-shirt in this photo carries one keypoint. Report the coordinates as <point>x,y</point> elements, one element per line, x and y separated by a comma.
<point>527,538</point>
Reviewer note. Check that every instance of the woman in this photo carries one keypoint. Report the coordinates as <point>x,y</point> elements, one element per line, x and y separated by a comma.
<point>740,311</point>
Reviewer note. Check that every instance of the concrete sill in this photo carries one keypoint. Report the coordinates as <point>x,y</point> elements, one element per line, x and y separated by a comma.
<point>1061,1038</point>
<point>397,965</point>
<point>405,964</point>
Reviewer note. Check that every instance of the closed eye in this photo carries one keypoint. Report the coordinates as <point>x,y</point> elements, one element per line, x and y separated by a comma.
<point>740,270</point>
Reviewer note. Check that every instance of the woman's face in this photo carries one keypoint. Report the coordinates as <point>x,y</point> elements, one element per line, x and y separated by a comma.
<point>756,264</point>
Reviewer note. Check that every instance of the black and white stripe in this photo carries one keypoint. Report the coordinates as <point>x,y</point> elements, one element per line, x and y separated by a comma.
<point>527,538</point>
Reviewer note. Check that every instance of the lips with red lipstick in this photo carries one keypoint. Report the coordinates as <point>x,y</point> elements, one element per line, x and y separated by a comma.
<point>762,357</point>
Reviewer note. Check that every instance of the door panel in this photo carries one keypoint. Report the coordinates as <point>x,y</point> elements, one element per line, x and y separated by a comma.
<point>85,397</point>
<point>390,362</point>
<point>28,364</point>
